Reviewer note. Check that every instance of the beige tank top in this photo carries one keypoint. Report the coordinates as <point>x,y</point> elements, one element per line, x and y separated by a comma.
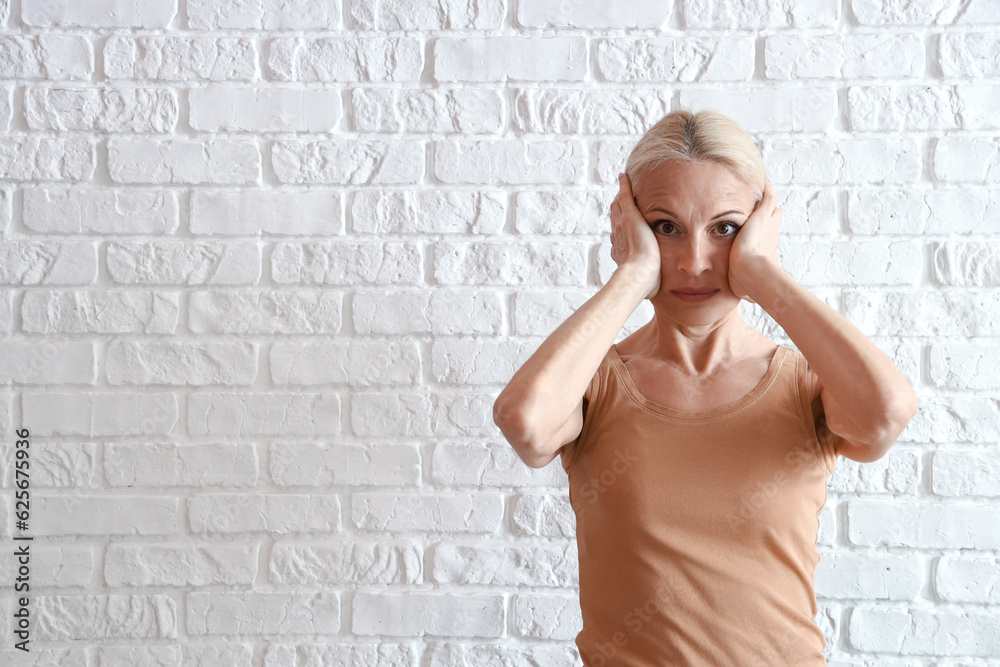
<point>697,531</point>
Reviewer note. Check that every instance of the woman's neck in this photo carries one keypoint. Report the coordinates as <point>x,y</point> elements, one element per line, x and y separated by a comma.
<point>701,349</point>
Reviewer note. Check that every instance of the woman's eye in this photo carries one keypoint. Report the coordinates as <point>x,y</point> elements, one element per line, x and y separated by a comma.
<point>728,228</point>
<point>664,227</point>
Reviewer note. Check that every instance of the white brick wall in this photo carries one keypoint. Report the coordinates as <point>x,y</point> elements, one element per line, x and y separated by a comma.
<point>265,265</point>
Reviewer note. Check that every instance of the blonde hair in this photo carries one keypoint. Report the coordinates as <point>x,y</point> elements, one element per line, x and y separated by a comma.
<point>705,135</point>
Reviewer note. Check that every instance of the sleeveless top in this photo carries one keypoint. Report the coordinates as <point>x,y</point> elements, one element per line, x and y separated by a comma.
<point>697,530</point>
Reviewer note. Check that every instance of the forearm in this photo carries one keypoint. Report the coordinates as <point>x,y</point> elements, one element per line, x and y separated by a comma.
<point>543,393</point>
<point>858,376</point>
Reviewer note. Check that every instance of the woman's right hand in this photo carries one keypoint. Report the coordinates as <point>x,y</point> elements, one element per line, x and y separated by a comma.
<point>633,243</point>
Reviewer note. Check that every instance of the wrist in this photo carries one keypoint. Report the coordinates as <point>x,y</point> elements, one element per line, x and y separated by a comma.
<point>772,288</point>
<point>636,282</point>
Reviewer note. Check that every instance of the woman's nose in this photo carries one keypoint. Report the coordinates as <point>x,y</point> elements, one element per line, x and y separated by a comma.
<point>695,257</point>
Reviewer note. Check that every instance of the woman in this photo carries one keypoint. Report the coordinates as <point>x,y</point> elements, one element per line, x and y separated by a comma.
<point>697,450</point>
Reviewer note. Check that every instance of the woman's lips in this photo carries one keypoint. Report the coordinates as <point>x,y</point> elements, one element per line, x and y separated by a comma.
<point>694,295</point>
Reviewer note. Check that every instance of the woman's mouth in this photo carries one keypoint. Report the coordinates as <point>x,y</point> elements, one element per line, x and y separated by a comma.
<point>693,295</point>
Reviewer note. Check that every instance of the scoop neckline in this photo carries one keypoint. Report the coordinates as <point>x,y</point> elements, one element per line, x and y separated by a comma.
<point>721,411</point>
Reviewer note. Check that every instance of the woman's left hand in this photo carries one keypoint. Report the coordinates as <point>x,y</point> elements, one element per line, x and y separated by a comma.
<point>755,245</point>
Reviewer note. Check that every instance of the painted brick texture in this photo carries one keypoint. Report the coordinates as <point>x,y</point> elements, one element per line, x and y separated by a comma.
<point>264,267</point>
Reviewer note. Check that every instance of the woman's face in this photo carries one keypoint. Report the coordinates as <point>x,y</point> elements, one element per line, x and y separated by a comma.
<point>695,209</point>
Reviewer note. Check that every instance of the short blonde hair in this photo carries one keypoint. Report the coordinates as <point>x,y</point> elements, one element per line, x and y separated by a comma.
<point>705,135</point>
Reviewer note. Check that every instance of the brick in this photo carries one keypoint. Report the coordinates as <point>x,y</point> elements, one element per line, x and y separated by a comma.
<point>506,263</point>
<point>958,419</point>
<point>180,565</point>
<point>425,111</point>
<point>170,464</point>
<point>100,413</point>
<point>175,58</point>
<point>566,212</point>
<point>967,160</point>
<point>458,513</point>
<point>338,59</point>
<point>5,197</point>
<point>568,111</point>
<point>510,162</point>
<point>904,108</point>
<point>48,57</point>
<point>27,263</point>
<point>843,56</point>
<point>251,213</point>
<point>540,313</point>
<point>422,414</point>
<point>35,159</point>
<point>920,212</point>
<point>427,15</point>
<point>55,465</point>
<point>522,655</point>
<point>808,212</point>
<point>899,472</point>
<point>263,15</point>
<point>852,262</point>
<point>64,657</point>
<point>343,464</point>
<point>143,363</point>
<point>273,513</point>
<point>349,562</point>
<point>381,654</point>
<point>925,632</point>
<point>930,314</point>
<point>435,614</point>
<point>628,60</point>
<point>966,263</point>
<point>252,613</point>
<point>770,109</point>
<point>190,653</point>
<point>744,14</point>
<point>961,473</point>
<point>965,366</point>
<point>105,515</point>
<point>103,211</point>
<point>63,362</point>
<point>344,263</point>
<point>612,156</point>
<point>137,160</point>
<point>420,212</point>
<point>357,363</point>
<point>264,414</point>
<point>978,103</point>
<point>942,12</point>
<point>439,312</point>
<point>348,162</point>
<point>149,14</point>
<point>925,525</point>
<point>969,54</point>
<point>825,162</point>
<point>61,566</point>
<point>500,59</point>
<point>506,564</point>
<point>547,616</point>
<point>593,14</point>
<point>64,618</point>
<point>264,110</point>
<point>184,263</point>
<point>51,311</point>
<point>472,362</point>
<point>543,515</point>
<point>490,465</point>
<point>251,311</point>
<point>101,109</point>
<point>967,579</point>
<point>869,577</point>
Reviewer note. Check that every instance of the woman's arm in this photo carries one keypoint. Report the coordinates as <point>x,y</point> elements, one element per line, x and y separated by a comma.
<point>541,409</point>
<point>866,400</point>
